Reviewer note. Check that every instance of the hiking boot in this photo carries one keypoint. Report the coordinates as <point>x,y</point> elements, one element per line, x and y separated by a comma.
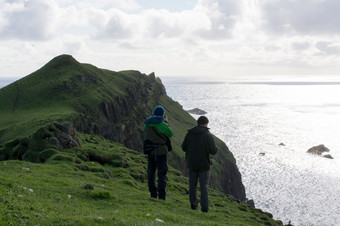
<point>204,210</point>
<point>193,207</point>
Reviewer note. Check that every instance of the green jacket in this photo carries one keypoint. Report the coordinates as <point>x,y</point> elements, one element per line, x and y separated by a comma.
<point>199,144</point>
<point>156,134</point>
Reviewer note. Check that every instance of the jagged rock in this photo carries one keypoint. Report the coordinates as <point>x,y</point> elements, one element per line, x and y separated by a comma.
<point>318,150</point>
<point>229,178</point>
<point>282,144</point>
<point>66,140</point>
<point>56,142</point>
<point>262,154</point>
<point>67,135</point>
<point>152,77</point>
<point>41,145</point>
<point>250,203</point>
<point>328,156</point>
<point>67,127</point>
<point>197,111</point>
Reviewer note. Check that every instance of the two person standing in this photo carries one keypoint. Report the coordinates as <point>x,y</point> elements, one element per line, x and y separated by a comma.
<point>198,145</point>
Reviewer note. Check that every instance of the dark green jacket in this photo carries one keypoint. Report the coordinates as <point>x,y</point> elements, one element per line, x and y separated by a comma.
<point>156,134</point>
<point>199,144</point>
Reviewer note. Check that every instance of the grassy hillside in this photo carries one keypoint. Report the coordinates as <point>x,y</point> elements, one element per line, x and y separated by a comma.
<point>59,91</point>
<point>110,104</point>
<point>104,183</point>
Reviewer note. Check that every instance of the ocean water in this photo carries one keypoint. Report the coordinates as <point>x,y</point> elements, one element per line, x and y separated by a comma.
<point>255,116</point>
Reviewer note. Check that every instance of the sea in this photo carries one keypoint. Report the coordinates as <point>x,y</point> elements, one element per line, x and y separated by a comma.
<point>269,124</point>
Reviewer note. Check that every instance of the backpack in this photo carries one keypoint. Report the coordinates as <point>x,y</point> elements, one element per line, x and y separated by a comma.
<point>148,146</point>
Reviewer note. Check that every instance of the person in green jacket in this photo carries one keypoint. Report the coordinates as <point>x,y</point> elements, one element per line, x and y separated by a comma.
<point>158,132</point>
<point>199,144</point>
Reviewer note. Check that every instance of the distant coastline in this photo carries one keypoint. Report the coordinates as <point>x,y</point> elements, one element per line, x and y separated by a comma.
<point>4,81</point>
<point>290,83</point>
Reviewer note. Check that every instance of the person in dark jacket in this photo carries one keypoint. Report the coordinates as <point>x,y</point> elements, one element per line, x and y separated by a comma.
<point>157,131</point>
<point>199,145</point>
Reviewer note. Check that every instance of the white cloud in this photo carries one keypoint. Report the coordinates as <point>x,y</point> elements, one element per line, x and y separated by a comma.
<point>31,19</point>
<point>315,17</point>
<point>128,5</point>
<point>223,16</point>
<point>300,46</point>
<point>223,36</point>
<point>328,48</point>
<point>118,26</point>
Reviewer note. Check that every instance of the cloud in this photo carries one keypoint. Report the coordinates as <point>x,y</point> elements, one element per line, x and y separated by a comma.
<point>328,48</point>
<point>31,19</point>
<point>300,46</point>
<point>313,17</point>
<point>215,35</point>
<point>223,16</point>
<point>126,5</point>
<point>118,26</point>
<point>111,19</point>
<point>209,20</point>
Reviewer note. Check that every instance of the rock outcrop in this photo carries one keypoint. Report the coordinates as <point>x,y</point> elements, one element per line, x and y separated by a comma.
<point>42,144</point>
<point>120,118</point>
<point>320,150</point>
<point>328,156</point>
<point>197,111</point>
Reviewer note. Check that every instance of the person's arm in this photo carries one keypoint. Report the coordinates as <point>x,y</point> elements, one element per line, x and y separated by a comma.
<point>211,145</point>
<point>184,144</point>
<point>165,129</point>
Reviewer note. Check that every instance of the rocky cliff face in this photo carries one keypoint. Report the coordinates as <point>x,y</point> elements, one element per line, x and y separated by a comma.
<point>229,178</point>
<point>121,118</point>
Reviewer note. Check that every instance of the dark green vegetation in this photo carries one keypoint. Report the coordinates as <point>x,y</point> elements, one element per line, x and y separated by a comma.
<point>104,182</point>
<point>99,178</point>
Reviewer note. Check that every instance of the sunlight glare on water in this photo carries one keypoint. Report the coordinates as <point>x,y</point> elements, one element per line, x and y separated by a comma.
<point>255,117</point>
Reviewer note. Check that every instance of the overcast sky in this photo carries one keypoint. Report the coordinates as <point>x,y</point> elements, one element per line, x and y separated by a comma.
<point>174,38</point>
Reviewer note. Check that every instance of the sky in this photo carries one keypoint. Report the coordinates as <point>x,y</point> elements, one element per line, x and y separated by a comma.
<point>209,38</point>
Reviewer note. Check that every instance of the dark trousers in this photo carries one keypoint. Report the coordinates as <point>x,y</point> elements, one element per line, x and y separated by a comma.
<point>159,163</point>
<point>203,177</point>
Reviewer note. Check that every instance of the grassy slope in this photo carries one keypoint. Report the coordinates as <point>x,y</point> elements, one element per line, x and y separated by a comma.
<point>66,88</point>
<point>54,192</point>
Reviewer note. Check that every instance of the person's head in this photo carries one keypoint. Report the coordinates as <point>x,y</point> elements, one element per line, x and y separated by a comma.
<point>202,121</point>
<point>158,111</point>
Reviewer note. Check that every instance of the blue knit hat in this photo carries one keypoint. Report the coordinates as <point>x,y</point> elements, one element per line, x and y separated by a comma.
<point>159,111</point>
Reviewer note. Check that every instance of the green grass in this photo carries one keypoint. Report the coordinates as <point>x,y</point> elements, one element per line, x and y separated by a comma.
<point>110,189</point>
<point>60,91</point>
